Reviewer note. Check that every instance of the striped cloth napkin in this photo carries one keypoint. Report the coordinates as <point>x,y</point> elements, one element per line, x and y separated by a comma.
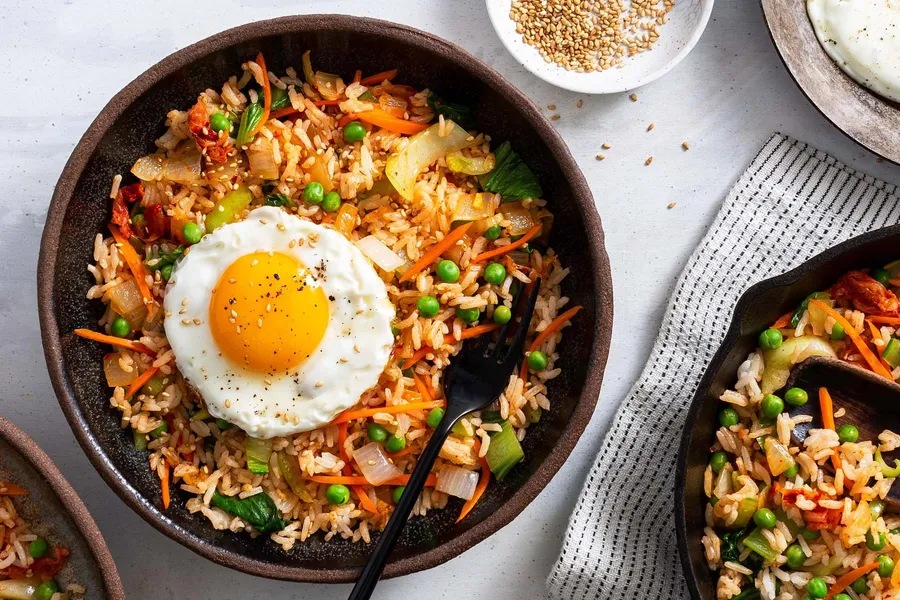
<point>620,543</point>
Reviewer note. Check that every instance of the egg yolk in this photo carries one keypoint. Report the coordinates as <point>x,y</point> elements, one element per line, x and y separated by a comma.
<point>265,315</point>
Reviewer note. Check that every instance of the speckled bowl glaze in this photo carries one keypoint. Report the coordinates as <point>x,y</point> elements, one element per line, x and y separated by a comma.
<point>126,129</point>
<point>55,511</point>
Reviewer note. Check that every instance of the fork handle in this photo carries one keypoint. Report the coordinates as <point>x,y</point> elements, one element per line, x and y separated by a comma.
<point>371,573</point>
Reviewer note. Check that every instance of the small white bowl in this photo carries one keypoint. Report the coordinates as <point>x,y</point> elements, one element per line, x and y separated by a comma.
<point>677,37</point>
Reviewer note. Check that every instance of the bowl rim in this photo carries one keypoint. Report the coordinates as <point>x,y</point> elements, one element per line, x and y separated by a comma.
<point>583,205</point>
<point>581,82</point>
<point>74,506</point>
<point>724,350</point>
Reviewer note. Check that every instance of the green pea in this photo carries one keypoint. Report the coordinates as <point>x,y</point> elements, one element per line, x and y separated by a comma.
<point>881,275</point>
<point>718,460</point>
<point>376,432</point>
<point>120,327</point>
<point>331,202</point>
<point>219,122</point>
<point>502,315</point>
<point>885,565</point>
<point>46,590</point>
<point>860,586</point>
<point>729,417</point>
<point>842,597</point>
<point>166,272</point>
<point>428,306</point>
<point>876,507</point>
<point>223,425</point>
<point>154,386</point>
<point>765,518</point>
<point>837,334</point>
<point>395,444</point>
<point>792,472</point>
<point>809,534</point>
<point>435,417</point>
<point>492,233</point>
<point>817,588</point>
<point>398,491</point>
<point>38,548</point>
<point>772,406</point>
<point>848,433</point>
<point>314,193</point>
<point>395,331</point>
<point>448,271</point>
<point>159,431</point>
<point>796,396</point>
<point>537,360</point>
<point>468,315</point>
<point>495,273</point>
<point>770,339</point>
<point>354,132</point>
<point>337,494</point>
<point>192,232</point>
<point>872,543</point>
<point>795,556</point>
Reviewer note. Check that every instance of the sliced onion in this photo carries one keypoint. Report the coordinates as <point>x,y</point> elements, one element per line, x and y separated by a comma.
<point>319,172</point>
<point>778,457</point>
<point>227,173</point>
<point>375,466</point>
<point>308,72</point>
<point>519,217</point>
<point>474,207</point>
<point>261,156</point>
<point>423,149</point>
<point>126,299</point>
<point>184,168</point>
<point>376,251</point>
<point>457,482</point>
<point>392,104</point>
<point>722,486</point>
<point>115,374</point>
<point>290,470</point>
<point>148,168</point>
<point>331,87</point>
<point>781,360</point>
<point>469,165</point>
<point>19,589</point>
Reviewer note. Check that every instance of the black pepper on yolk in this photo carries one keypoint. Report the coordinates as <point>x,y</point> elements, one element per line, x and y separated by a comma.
<point>264,315</point>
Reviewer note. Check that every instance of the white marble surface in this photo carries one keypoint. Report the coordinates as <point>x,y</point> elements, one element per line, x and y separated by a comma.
<point>61,62</point>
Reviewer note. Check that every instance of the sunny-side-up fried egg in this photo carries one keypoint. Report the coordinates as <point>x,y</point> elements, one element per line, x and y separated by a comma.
<point>278,323</point>
<point>863,38</point>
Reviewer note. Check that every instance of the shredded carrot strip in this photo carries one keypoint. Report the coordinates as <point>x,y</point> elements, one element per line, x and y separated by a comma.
<point>423,389</point>
<point>351,415</point>
<point>844,581</point>
<point>470,332</point>
<point>479,489</point>
<point>435,251</point>
<point>11,489</point>
<point>378,77</point>
<point>135,265</point>
<point>357,76</point>
<point>876,335</point>
<point>385,120</point>
<point>365,500</point>
<point>267,95</point>
<point>783,321</point>
<point>860,343</point>
<point>827,408</point>
<point>164,483</point>
<point>140,381</point>
<point>283,112</point>
<point>894,282</point>
<point>346,119</point>
<point>885,320</point>
<point>112,340</point>
<point>360,480</point>
<point>418,355</point>
<point>554,325</point>
<point>531,233</point>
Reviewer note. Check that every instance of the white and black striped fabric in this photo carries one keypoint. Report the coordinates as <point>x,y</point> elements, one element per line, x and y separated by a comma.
<point>791,203</point>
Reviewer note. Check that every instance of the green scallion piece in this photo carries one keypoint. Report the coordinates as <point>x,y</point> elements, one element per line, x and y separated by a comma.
<point>258,454</point>
<point>505,451</point>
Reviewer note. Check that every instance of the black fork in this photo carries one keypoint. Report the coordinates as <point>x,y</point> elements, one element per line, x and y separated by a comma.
<point>475,379</point>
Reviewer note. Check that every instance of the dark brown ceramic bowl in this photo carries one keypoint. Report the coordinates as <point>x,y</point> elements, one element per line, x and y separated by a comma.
<point>55,511</point>
<point>757,309</point>
<point>126,129</point>
<point>864,116</point>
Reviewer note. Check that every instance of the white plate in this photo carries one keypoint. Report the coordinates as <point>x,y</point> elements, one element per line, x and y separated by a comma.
<point>687,20</point>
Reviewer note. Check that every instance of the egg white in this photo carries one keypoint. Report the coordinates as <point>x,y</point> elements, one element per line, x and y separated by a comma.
<point>863,38</point>
<point>348,361</point>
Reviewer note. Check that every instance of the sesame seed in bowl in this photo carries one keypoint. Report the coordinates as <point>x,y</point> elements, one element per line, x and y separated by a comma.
<point>599,46</point>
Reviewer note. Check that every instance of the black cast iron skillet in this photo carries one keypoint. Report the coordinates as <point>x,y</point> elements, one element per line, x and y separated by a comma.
<point>757,309</point>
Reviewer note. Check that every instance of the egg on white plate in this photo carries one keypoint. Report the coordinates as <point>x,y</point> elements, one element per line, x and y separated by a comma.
<point>863,38</point>
<point>279,324</point>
